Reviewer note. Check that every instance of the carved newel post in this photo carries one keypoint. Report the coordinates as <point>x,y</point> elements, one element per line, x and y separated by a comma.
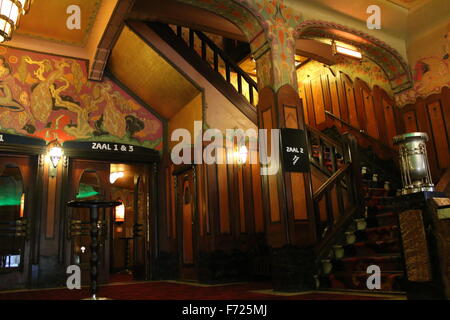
<point>423,278</point>
<point>415,170</point>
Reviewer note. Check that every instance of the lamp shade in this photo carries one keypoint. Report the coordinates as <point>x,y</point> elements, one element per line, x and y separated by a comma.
<point>55,155</point>
<point>10,13</point>
<point>120,212</point>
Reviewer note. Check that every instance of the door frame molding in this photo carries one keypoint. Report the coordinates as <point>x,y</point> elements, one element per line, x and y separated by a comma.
<point>37,154</point>
<point>150,157</point>
<point>179,172</point>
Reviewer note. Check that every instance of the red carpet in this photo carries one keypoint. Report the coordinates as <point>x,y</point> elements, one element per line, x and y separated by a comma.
<point>177,291</point>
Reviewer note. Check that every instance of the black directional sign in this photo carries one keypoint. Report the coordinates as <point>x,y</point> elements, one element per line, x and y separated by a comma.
<point>294,150</point>
<point>6,138</point>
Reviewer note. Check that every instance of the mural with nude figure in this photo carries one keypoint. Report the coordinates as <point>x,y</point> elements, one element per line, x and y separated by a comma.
<point>49,97</point>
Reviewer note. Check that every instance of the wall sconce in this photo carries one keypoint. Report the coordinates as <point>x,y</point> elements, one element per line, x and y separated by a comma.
<point>119,213</point>
<point>113,176</point>
<point>55,154</point>
<point>336,48</point>
<point>241,155</point>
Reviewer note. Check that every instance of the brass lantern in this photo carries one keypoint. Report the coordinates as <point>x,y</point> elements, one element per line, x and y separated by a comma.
<point>415,170</point>
<point>10,13</point>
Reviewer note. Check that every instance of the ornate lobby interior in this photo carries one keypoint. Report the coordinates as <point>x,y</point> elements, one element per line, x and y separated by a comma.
<point>97,97</point>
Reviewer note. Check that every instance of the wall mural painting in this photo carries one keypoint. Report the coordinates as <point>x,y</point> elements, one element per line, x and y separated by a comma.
<point>280,22</point>
<point>430,66</point>
<point>49,97</point>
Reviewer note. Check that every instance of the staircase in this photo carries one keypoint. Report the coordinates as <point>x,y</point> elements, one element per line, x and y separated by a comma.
<point>213,63</point>
<point>368,239</point>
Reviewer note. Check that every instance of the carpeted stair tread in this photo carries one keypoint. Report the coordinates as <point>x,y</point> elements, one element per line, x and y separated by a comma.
<point>365,274</point>
<point>381,256</point>
<point>390,281</point>
<point>382,229</point>
<point>375,243</point>
<point>366,248</point>
<point>385,214</point>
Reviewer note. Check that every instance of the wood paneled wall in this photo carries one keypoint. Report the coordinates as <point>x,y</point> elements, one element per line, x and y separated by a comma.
<point>229,205</point>
<point>431,115</point>
<point>373,110</point>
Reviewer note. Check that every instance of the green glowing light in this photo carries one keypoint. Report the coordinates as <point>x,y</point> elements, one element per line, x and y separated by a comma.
<point>9,202</point>
<point>86,191</point>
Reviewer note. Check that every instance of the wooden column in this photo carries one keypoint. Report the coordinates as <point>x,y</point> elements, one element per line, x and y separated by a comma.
<point>287,197</point>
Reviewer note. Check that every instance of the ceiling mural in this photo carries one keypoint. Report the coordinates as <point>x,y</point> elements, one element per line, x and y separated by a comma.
<point>430,64</point>
<point>395,68</point>
<point>49,97</point>
<point>55,29</point>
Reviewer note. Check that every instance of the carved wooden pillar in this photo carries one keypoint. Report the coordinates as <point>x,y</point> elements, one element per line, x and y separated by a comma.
<point>287,196</point>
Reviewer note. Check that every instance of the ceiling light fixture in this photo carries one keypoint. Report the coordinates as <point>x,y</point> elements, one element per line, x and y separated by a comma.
<point>10,13</point>
<point>345,51</point>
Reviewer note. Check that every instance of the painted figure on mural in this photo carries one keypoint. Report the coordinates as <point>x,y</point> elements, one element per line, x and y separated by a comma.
<point>432,72</point>
<point>6,99</point>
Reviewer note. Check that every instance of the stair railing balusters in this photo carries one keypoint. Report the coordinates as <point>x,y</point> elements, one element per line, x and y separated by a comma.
<point>218,53</point>
<point>239,81</point>
<point>191,39</point>
<point>216,61</point>
<point>204,57</point>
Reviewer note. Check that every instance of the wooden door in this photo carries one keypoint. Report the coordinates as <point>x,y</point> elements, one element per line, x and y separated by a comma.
<point>187,225</point>
<point>141,225</point>
<point>89,180</point>
<point>17,189</point>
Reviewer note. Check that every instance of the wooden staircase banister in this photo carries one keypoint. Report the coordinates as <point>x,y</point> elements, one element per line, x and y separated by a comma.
<point>198,61</point>
<point>390,151</point>
<point>323,136</point>
<point>226,58</point>
<point>332,234</point>
<point>331,182</point>
<point>229,64</point>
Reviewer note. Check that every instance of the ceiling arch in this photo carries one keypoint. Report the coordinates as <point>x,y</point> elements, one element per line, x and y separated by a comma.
<point>394,66</point>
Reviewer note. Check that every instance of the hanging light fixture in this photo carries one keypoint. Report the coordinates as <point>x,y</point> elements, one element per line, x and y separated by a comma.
<point>10,13</point>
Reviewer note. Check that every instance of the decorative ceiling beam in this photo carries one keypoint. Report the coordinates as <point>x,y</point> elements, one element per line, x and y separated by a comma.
<point>109,37</point>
